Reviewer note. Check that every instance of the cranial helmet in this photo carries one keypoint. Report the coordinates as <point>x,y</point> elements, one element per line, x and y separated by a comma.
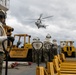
<point>2,14</point>
<point>36,39</point>
<point>54,40</point>
<point>48,36</point>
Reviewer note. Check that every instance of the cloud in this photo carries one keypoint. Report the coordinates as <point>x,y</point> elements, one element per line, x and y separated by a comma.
<point>61,26</point>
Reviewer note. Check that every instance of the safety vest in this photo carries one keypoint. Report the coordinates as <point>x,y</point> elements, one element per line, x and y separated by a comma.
<point>2,37</point>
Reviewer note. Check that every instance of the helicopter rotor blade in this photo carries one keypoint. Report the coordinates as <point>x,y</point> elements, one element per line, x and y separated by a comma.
<point>47,17</point>
<point>31,19</point>
<point>40,16</point>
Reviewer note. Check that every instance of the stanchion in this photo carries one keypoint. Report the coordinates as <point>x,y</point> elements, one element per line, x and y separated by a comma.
<point>50,69</point>
<point>40,71</point>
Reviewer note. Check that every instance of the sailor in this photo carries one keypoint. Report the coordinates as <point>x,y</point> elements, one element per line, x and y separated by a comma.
<point>55,46</point>
<point>62,44</point>
<point>2,33</point>
<point>34,52</point>
<point>47,44</point>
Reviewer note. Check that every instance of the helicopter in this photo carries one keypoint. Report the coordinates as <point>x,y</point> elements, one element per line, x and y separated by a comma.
<point>39,23</point>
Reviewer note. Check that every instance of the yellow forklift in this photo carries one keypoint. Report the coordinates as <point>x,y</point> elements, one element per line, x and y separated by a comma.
<point>68,48</point>
<point>22,48</point>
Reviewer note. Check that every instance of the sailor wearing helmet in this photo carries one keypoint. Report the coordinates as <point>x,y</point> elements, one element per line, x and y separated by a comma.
<point>2,36</point>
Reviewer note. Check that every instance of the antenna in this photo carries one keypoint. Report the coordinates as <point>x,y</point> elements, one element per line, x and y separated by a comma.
<point>4,5</point>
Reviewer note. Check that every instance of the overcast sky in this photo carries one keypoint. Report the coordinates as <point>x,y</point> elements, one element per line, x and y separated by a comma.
<point>62,26</point>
